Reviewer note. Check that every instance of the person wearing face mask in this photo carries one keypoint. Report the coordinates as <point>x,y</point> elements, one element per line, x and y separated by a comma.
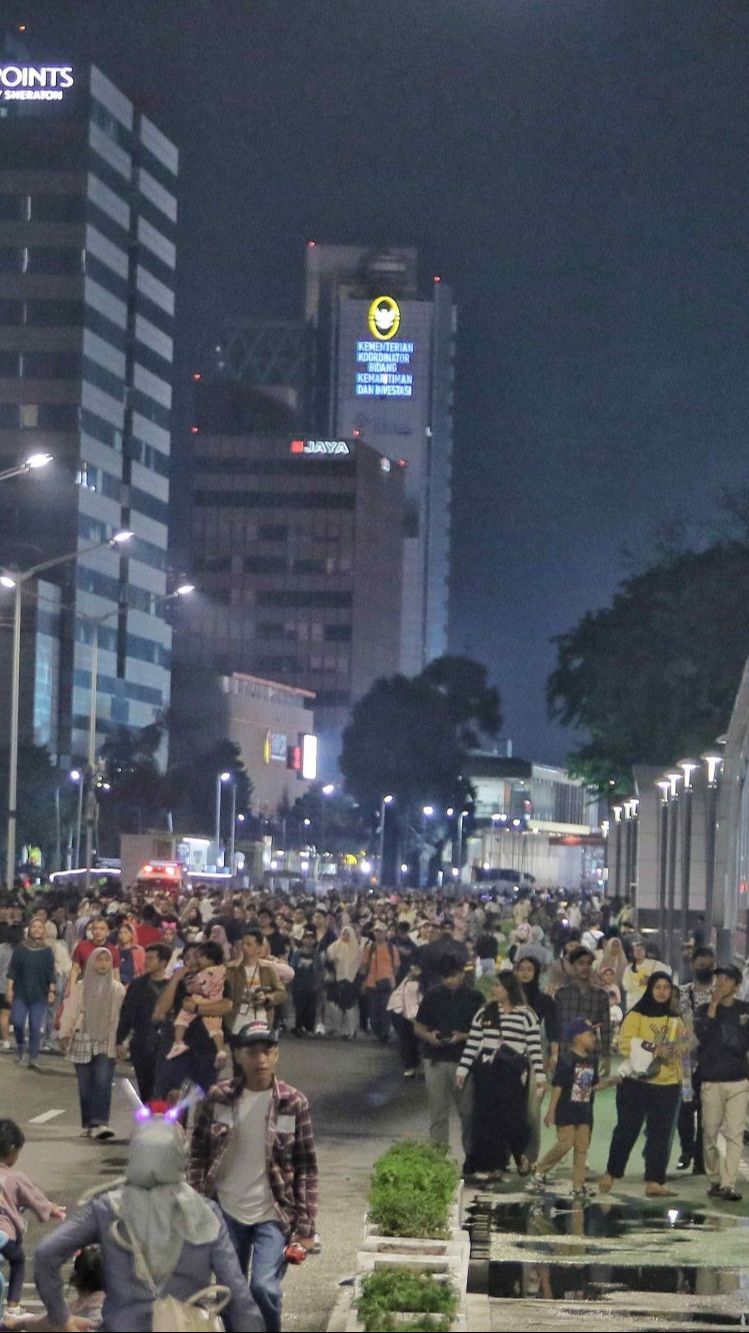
<point>695,997</point>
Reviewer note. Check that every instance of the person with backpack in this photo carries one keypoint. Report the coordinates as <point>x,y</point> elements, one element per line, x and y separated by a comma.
<point>163,1245</point>
<point>380,964</point>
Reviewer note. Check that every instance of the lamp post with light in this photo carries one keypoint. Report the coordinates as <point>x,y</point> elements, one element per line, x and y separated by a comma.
<point>712,764</point>
<point>77,776</point>
<point>17,581</point>
<point>326,791</point>
<point>688,767</point>
<point>384,803</point>
<point>31,464</point>
<point>427,811</point>
<point>220,779</point>
<point>673,780</point>
<point>617,811</point>
<point>664,787</point>
<point>96,623</point>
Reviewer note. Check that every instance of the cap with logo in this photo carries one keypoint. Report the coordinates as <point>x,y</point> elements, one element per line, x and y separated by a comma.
<point>254,1034</point>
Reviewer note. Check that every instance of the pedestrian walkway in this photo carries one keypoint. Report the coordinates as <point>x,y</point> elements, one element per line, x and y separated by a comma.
<point>619,1262</point>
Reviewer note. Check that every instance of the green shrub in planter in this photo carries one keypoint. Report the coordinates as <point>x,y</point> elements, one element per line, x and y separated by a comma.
<point>392,1290</point>
<point>412,1189</point>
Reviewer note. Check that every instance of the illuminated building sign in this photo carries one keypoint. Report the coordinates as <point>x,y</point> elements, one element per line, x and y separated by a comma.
<point>383,371</point>
<point>326,448</point>
<point>309,757</point>
<point>275,747</point>
<point>34,83</point>
<point>384,318</point>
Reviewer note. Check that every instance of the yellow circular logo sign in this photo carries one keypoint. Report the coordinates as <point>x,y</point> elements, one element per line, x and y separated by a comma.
<point>384,318</point>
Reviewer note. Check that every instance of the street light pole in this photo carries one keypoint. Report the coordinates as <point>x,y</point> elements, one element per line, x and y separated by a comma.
<point>384,803</point>
<point>16,582</point>
<point>77,776</point>
<point>30,464</point>
<point>232,834</point>
<point>220,778</point>
<point>664,787</point>
<point>688,767</point>
<point>673,842</point>
<point>617,813</point>
<point>713,763</point>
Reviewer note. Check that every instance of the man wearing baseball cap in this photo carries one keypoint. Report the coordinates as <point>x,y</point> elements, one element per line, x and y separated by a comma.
<point>722,1029</point>
<point>252,1150</point>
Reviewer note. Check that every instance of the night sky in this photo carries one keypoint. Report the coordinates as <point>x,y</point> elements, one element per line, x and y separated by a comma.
<point>577,169</point>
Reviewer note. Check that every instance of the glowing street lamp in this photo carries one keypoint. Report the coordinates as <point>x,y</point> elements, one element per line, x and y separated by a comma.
<point>31,464</point>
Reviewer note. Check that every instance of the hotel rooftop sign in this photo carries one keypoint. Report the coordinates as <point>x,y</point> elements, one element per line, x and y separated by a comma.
<point>35,83</point>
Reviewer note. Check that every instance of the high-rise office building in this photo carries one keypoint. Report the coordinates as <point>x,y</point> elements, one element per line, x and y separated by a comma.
<point>383,372</point>
<point>296,547</point>
<point>87,257</point>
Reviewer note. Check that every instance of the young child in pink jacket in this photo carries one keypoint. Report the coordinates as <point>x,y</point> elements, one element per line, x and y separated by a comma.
<point>17,1194</point>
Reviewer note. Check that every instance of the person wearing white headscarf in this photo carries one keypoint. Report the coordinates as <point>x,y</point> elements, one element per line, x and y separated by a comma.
<point>88,1033</point>
<point>159,1238</point>
<point>345,957</point>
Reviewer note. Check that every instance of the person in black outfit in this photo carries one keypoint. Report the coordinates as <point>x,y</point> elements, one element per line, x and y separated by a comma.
<point>442,946</point>
<point>443,1023</point>
<point>306,988</point>
<point>528,970</point>
<point>136,1025</point>
<point>198,1063</point>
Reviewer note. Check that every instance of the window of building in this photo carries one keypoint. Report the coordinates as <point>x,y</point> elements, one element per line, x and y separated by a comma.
<point>54,314</point>
<point>273,532</point>
<point>51,365</point>
<point>43,260</point>
<point>56,416</point>
<point>338,633</point>
<point>11,259</point>
<point>11,313</point>
<point>29,413</point>
<point>57,208</point>
<point>9,365</point>
<point>13,207</point>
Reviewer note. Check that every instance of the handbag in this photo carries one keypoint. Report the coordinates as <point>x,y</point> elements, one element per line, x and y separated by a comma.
<point>513,1061</point>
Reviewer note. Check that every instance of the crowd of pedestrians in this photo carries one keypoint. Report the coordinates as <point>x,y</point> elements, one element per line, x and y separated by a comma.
<point>497,1003</point>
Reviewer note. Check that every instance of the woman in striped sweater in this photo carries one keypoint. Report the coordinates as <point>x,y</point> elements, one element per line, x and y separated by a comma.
<point>502,1052</point>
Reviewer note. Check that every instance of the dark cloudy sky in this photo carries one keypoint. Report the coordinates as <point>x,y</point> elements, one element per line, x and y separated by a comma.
<point>577,169</point>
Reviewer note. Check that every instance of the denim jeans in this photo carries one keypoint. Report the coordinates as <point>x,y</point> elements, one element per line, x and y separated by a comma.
<point>37,1015</point>
<point>95,1090</point>
<point>265,1242</point>
<point>12,1251</point>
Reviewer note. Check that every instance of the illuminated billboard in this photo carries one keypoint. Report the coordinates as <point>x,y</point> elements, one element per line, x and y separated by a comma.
<point>34,83</point>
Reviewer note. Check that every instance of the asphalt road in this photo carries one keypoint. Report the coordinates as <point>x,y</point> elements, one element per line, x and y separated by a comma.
<point>359,1100</point>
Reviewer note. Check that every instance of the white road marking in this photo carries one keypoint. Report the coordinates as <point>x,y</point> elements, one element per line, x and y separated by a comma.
<point>44,1117</point>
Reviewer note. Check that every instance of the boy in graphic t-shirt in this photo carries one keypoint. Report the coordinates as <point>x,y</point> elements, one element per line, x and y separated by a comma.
<point>571,1107</point>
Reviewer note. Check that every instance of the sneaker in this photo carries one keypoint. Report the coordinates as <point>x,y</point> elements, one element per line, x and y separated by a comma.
<point>537,1182</point>
<point>85,1134</point>
<point>15,1311</point>
<point>18,1056</point>
<point>684,1162</point>
<point>730,1195</point>
<point>408,1073</point>
<point>583,1193</point>
<point>33,1064</point>
<point>7,1046</point>
<point>177,1048</point>
<point>320,1030</point>
<point>102,1133</point>
<point>714,1192</point>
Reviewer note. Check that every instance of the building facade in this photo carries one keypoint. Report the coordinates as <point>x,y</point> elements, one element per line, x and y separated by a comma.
<point>87,258</point>
<point>533,819</point>
<point>296,549</point>
<point>383,372</point>
<point>264,718</point>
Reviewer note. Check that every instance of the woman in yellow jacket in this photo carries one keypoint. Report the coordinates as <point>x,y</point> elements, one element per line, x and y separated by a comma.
<point>653,1039</point>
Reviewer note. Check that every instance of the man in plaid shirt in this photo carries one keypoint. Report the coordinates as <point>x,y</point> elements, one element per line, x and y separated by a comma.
<point>581,998</point>
<point>252,1151</point>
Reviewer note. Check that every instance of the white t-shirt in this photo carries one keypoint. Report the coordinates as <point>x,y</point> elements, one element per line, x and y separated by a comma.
<point>249,1010</point>
<point>243,1186</point>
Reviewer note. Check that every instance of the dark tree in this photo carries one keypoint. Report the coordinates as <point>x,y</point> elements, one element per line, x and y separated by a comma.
<point>36,800</point>
<point>652,678</point>
<point>191,787</point>
<point>474,706</point>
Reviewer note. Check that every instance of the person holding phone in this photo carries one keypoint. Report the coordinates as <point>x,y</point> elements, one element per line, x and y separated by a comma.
<point>443,1023</point>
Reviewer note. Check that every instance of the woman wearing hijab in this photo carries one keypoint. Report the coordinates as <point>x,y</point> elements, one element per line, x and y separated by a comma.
<point>528,972</point>
<point>220,937</point>
<point>653,1040</point>
<point>345,958</point>
<point>612,955</point>
<point>88,1032</point>
<point>159,1239</point>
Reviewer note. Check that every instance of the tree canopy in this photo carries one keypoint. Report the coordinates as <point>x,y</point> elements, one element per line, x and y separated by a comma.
<point>409,735</point>
<point>652,678</point>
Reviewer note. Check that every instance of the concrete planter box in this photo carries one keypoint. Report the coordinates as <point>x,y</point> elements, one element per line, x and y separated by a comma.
<point>458,1325</point>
